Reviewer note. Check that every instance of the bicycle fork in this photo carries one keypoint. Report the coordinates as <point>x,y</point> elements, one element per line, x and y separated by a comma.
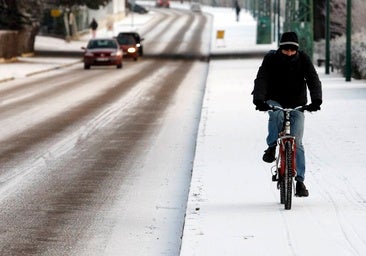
<point>281,164</point>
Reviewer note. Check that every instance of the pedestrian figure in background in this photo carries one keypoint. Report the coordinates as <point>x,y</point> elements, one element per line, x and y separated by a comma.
<point>93,26</point>
<point>237,10</point>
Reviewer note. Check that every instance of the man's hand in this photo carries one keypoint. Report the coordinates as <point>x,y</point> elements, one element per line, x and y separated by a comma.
<point>314,106</point>
<point>261,105</point>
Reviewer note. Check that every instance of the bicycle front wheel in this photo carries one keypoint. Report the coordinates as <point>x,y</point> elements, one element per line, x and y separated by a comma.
<point>282,187</point>
<point>288,176</point>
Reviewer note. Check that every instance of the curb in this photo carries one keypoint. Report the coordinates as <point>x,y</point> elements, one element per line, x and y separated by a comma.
<point>51,69</point>
<point>42,71</point>
<point>7,79</point>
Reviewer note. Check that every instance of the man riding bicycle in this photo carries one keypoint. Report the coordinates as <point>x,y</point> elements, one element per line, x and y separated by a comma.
<point>282,80</point>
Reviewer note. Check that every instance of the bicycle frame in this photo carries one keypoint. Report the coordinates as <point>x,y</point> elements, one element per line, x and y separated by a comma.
<point>283,139</point>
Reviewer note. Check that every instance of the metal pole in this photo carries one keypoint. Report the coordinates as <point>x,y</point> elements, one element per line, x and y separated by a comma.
<point>273,13</point>
<point>327,38</point>
<point>278,21</point>
<point>348,41</point>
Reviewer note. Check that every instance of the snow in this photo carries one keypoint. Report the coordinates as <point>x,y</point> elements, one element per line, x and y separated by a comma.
<point>232,199</point>
<point>233,206</point>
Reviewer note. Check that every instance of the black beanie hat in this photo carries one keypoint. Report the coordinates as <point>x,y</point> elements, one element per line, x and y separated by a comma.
<point>289,40</point>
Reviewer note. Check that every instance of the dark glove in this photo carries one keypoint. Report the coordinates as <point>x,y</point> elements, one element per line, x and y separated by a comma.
<point>261,105</point>
<point>314,106</point>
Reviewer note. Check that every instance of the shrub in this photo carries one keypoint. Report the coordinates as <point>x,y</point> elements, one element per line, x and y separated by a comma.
<point>358,54</point>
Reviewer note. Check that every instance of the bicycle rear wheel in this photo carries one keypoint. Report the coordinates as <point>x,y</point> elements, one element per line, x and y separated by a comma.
<point>288,176</point>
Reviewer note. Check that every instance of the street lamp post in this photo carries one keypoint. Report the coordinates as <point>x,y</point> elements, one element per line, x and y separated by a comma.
<point>348,41</point>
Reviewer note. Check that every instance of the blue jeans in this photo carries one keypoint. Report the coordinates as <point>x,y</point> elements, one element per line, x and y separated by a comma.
<point>275,124</point>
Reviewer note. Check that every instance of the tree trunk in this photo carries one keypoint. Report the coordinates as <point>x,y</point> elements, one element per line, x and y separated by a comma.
<point>26,39</point>
<point>8,44</point>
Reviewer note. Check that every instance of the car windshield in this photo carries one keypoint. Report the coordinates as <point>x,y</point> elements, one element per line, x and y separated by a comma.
<point>125,39</point>
<point>101,44</point>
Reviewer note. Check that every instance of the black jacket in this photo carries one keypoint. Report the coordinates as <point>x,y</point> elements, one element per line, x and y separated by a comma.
<point>285,80</point>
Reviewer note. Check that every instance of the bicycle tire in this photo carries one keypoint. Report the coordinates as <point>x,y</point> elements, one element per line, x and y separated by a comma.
<point>288,175</point>
<point>281,187</point>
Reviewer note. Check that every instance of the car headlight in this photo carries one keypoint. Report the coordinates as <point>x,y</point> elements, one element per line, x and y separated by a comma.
<point>89,54</point>
<point>131,50</point>
<point>117,53</point>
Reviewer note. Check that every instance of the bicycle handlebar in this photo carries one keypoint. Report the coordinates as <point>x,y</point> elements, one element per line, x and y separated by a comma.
<point>300,108</point>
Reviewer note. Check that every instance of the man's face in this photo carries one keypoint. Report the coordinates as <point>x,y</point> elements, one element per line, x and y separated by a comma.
<point>288,52</point>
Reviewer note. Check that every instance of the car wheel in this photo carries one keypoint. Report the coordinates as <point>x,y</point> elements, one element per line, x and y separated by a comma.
<point>119,66</point>
<point>86,66</point>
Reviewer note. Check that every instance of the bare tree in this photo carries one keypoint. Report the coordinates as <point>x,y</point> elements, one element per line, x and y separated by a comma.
<point>30,14</point>
<point>22,17</point>
<point>92,4</point>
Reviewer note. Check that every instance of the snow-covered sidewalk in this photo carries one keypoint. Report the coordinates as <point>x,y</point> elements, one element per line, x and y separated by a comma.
<point>233,206</point>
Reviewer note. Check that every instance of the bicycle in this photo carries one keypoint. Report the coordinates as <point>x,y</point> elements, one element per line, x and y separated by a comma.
<point>285,168</point>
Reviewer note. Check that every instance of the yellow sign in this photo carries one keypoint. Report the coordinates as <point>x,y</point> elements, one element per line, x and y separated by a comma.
<point>220,34</point>
<point>55,13</point>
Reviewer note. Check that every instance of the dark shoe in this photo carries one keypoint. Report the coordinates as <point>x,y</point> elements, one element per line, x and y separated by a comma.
<point>269,154</point>
<point>301,190</point>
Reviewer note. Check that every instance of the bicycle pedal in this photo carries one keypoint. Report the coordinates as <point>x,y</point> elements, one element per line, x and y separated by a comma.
<point>274,178</point>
